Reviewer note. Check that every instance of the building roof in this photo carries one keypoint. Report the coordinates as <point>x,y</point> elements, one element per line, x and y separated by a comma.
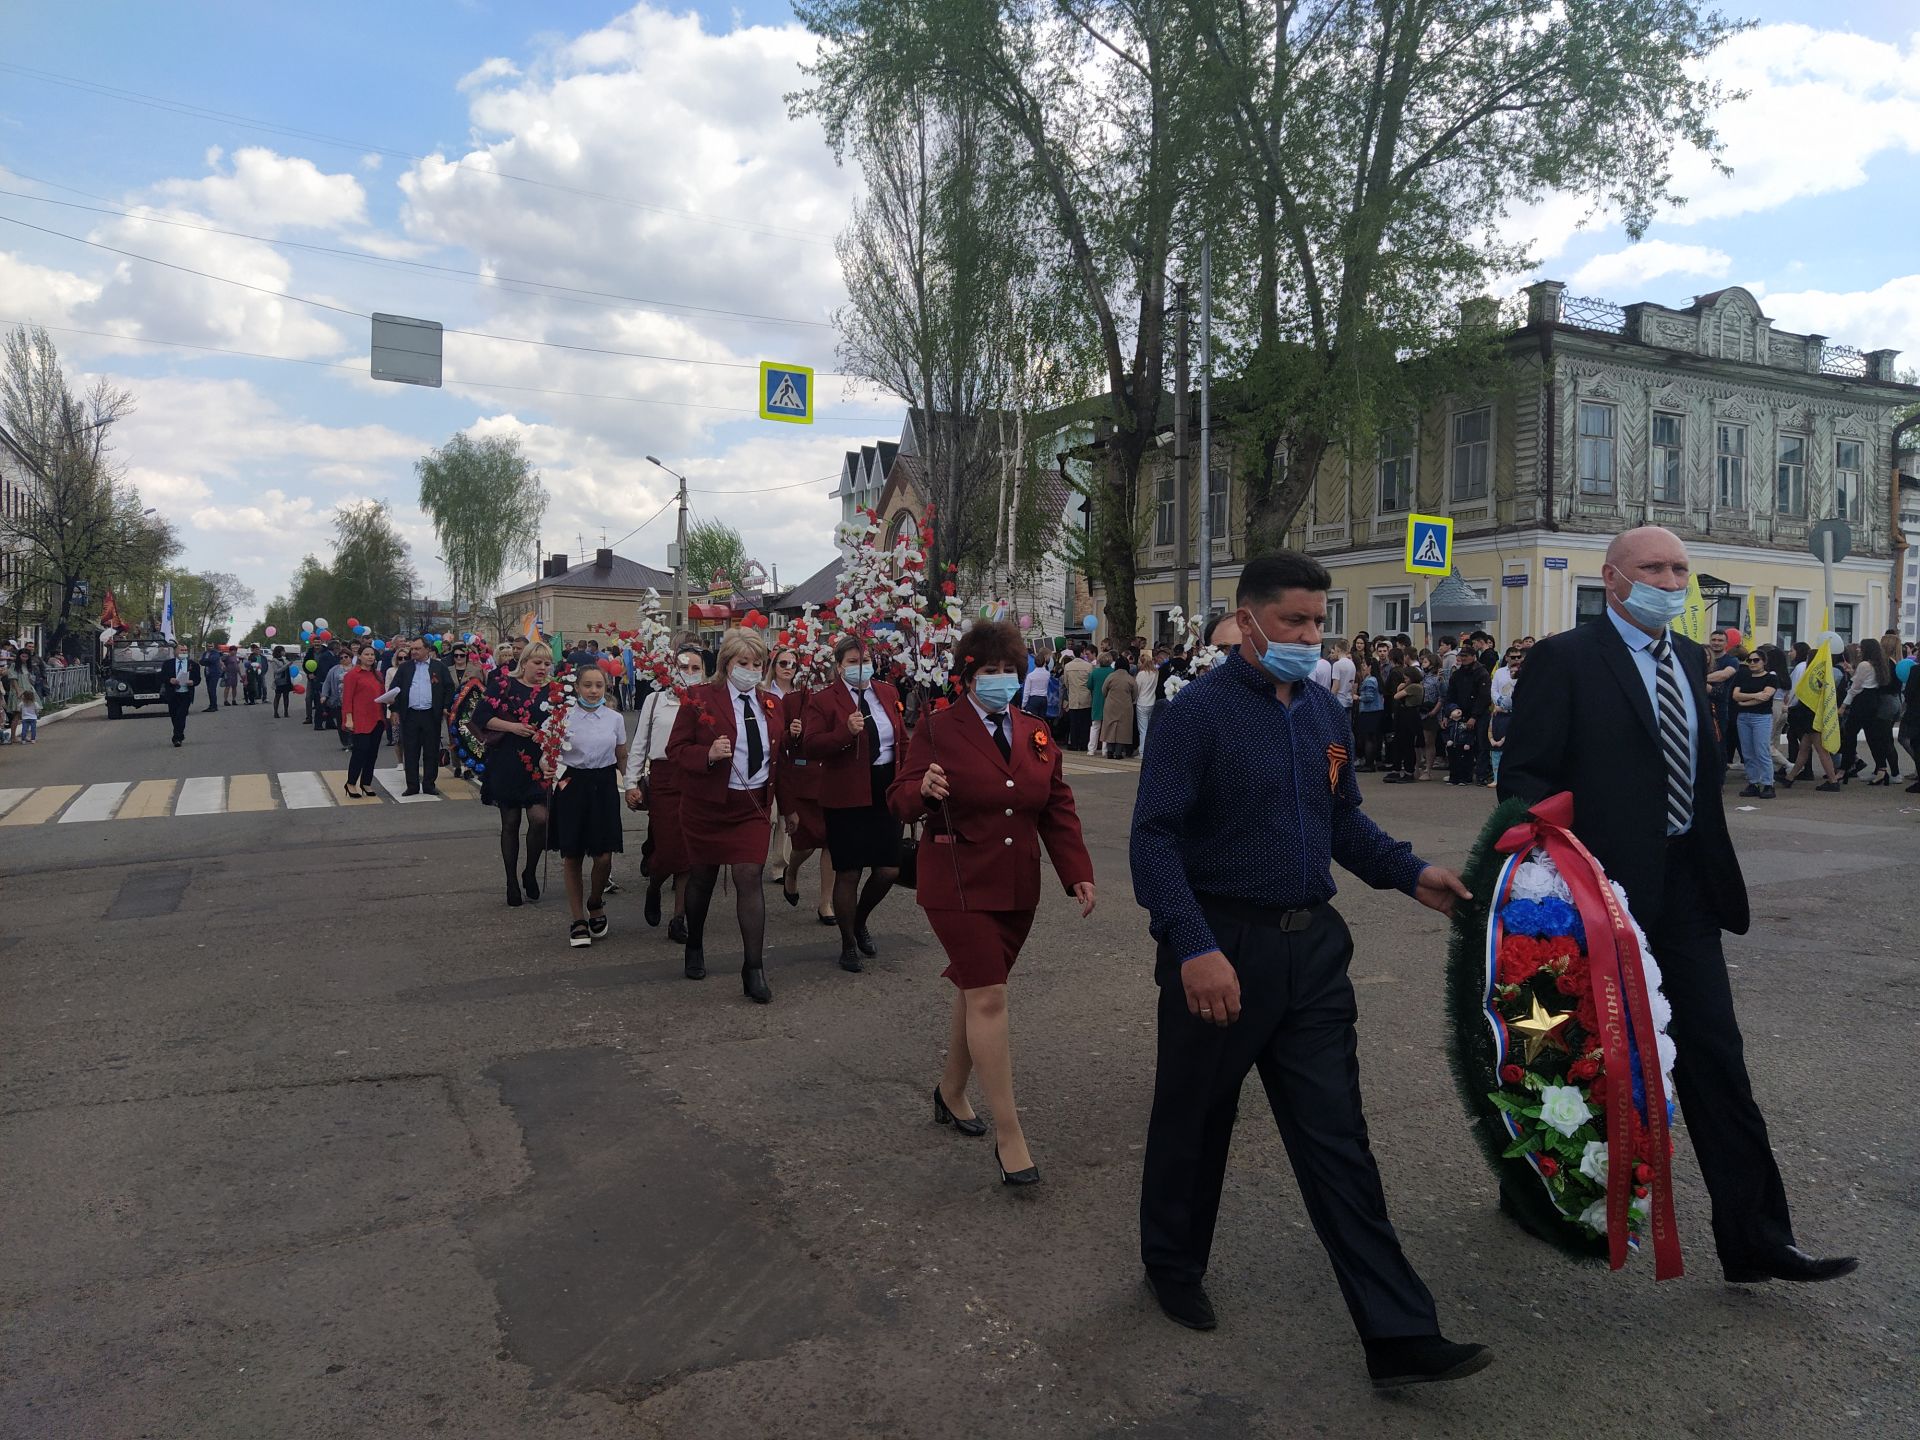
<point>618,573</point>
<point>816,589</point>
<point>1453,602</point>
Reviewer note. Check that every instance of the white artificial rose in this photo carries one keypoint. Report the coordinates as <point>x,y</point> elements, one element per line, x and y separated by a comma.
<point>1595,1216</point>
<point>1564,1108</point>
<point>1537,879</point>
<point>1593,1162</point>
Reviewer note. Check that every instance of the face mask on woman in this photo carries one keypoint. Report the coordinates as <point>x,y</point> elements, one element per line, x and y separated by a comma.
<point>744,678</point>
<point>689,675</point>
<point>858,675</point>
<point>996,692</point>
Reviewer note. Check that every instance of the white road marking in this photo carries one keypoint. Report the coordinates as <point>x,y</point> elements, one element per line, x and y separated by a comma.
<point>303,790</point>
<point>11,798</point>
<point>97,802</point>
<point>394,782</point>
<point>202,795</point>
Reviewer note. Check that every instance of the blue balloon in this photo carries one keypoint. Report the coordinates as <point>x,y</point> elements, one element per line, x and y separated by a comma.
<point>379,644</point>
<point>1090,622</point>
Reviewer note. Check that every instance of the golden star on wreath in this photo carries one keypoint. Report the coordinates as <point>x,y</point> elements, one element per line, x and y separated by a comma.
<point>1537,1028</point>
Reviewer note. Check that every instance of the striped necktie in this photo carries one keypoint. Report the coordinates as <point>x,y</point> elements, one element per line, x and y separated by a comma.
<point>1673,735</point>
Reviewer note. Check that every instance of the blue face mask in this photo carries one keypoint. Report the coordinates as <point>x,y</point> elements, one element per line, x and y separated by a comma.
<point>586,704</point>
<point>1653,607</point>
<point>996,692</point>
<point>1288,663</point>
<point>858,675</point>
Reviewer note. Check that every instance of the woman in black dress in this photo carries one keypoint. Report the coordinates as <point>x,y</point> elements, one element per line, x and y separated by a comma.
<point>511,715</point>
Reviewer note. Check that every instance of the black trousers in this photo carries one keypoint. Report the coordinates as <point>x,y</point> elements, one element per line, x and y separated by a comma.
<point>366,752</point>
<point>1079,728</point>
<point>178,706</point>
<point>420,746</point>
<point>1716,1097</point>
<point>1296,1028</point>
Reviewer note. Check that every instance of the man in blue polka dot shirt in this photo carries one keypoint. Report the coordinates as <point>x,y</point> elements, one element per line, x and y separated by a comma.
<point>1246,798</point>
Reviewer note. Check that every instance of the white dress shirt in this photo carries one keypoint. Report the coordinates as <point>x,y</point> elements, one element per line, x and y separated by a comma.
<point>1640,649</point>
<point>882,725</point>
<point>1501,689</point>
<point>743,706</point>
<point>593,737</point>
<point>1035,685</point>
<point>420,692</point>
<point>650,736</point>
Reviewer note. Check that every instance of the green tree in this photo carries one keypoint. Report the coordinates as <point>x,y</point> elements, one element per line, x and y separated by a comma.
<point>714,551</point>
<point>485,500</point>
<point>372,578</point>
<point>204,602</point>
<point>1366,156</point>
<point>1093,97</point>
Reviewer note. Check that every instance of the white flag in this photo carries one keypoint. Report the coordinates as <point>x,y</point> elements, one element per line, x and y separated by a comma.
<point>166,613</point>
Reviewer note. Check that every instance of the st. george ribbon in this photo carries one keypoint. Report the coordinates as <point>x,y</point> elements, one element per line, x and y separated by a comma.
<point>1620,993</point>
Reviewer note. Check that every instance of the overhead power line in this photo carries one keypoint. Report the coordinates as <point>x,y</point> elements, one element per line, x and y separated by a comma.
<point>547,289</point>
<point>364,315</point>
<point>202,112</point>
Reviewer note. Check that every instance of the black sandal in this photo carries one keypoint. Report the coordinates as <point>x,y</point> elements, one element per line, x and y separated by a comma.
<point>578,934</point>
<point>597,921</point>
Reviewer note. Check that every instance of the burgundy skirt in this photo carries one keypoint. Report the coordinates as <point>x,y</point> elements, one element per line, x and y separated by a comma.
<point>981,945</point>
<point>810,825</point>
<point>664,830</point>
<point>734,831</point>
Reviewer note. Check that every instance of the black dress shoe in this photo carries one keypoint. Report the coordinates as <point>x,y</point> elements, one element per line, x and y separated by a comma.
<point>850,960</point>
<point>1028,1176</point>
<point>677,930</point>
<point>651,909</point>
<point>1184,1301</point>
<point>971,1125</point>
<point>1422,1360</point>
<point>753,980</point>
<point>1789,1262</point>
<point>865,942</point>
<point>696,963</point>
<point>530,882</point>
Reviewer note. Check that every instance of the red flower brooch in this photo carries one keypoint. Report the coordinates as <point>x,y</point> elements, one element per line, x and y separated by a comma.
<point>1042,742</point>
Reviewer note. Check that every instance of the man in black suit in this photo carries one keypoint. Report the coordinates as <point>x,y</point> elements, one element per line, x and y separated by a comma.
<point>181,682</point>
<point>1616,712</point>
<point>426,690</point>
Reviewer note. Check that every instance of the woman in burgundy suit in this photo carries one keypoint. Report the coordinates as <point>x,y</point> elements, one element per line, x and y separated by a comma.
<point>986,777</point>
<point>854,730</point>
<point>726,747</point>
<point>797,788</point>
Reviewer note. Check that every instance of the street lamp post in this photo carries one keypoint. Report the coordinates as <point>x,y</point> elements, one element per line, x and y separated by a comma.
<point>679,547</point>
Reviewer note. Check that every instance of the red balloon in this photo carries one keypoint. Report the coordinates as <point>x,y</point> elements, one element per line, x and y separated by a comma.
<point>299,689</point>
<point>326,635</point>
<point>351,622</point>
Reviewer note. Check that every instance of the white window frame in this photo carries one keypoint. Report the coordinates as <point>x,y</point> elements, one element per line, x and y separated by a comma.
<point>1384,604</point>
<point>1166,497</point>
<point>1729,465</point>
<point>1401,453</point>
<point>1849,481</point>
<point>1846,633</point>
<point>1336,613</point>
<point>1790,476</point>
<point>1580,591</point>
<point>1480,451</point>
<point>1798,630</point>
<point>1220,495</point>
<point>1668,458</point>
<point>1586,443</point>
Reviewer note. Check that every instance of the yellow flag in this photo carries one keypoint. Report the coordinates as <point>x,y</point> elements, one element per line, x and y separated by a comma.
<point>1693,620</point>
<point>1752,638</point>
<point>530,627</point>
<point>1815,691</point>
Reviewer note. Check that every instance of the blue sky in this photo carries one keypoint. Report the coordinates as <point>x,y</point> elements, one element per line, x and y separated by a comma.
<point>250,457</point>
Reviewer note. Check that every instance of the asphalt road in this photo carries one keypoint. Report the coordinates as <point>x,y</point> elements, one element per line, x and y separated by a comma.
<point>303,1133</point>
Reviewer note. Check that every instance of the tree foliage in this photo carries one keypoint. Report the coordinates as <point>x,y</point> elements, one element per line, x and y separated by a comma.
<point>714,551</point>
<point>204,603</point>
<point>84,524</point>
<point>485,500</point>
<point>370,578</point>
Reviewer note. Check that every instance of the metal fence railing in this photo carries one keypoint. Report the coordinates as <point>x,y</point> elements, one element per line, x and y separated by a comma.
<point>77,681</point>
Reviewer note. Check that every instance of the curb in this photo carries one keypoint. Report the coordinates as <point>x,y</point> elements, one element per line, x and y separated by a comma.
<point>74,709</point>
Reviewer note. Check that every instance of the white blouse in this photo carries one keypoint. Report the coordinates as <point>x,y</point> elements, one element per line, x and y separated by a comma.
<point>593,737</point>
<point>650,736</point>
<point>882,726</point>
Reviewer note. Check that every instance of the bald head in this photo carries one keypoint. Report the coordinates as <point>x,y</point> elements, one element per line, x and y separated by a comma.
<point>1633,546</point>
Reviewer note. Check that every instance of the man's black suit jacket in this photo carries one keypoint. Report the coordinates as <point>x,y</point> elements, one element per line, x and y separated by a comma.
<point>1583,722</point>
<point>171,692</point>
<point>442,684</point>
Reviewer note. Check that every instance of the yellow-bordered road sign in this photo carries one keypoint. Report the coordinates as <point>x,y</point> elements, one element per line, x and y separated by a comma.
<point>1429,545</point>
<point>786,393</point>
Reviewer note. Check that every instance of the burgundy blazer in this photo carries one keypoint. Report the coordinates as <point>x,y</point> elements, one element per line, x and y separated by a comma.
<point>799,779</point>
<point>846,759</point>
<point>1000,810</point>
<point>706,713</point>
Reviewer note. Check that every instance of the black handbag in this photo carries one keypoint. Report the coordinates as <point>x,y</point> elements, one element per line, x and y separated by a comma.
<point>909,875</point>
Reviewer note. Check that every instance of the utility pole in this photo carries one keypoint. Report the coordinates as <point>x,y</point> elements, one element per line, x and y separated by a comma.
<point>1183,496</point>
<point>1206,432</point>
<point>679,548</point>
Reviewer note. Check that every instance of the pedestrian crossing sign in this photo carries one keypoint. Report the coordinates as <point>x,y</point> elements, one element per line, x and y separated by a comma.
<point>1429,545</point>
<point>786,393</point>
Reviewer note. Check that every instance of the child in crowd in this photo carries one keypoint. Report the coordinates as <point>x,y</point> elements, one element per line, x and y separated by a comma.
<point>1497,739</point>
<point>584,816</point>
<point>29,716</point>
<point>1460,748</point>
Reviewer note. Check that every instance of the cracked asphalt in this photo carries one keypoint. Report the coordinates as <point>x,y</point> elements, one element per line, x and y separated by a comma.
<point>303,1133</point>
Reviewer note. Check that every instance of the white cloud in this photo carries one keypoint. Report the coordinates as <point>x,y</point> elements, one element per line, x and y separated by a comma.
<point>1821,105</point>
<point>269,518</point>
<point>265,190</point>
<point>39,293</point>
<point>1626,270</point>
<point>167,491</point>
<point>487,71</point>
<point>1884,318</point>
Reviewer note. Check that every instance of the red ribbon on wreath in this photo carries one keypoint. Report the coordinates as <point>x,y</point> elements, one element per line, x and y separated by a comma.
<point>1620,991</point>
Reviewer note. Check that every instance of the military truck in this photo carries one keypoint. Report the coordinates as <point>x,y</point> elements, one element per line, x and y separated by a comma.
<point>137,667</point>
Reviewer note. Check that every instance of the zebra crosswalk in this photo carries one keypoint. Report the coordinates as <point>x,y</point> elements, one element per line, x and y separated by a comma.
<point>115,800</point>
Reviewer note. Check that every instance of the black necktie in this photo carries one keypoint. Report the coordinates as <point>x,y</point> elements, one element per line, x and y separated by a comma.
<point>756,751</point>
<point>1673,736</point>
<point>1000,736</point>
<point>861,696</point>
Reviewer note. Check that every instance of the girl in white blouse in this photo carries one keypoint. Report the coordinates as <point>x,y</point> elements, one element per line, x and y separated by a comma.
<point>583,821</point>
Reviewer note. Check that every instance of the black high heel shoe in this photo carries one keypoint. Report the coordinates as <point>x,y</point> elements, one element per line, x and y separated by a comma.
<point>1028,1176</point>
<point>1883,780</point>
<point>972,1125</point>
<point>530,882</point>
<point>753,981</point>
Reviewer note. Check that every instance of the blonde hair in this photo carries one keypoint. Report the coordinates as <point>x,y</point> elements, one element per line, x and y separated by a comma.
<point>536,651</point>
<point>741,643</point>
